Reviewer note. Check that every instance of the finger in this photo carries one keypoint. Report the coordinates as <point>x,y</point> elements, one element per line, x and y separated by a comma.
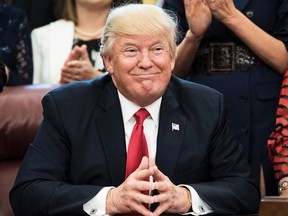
<point>74,64</point>
<point>70,71</point>
<point>158,175</point>
<point>69,80</point>
<point>187,4</point>
<point>211,3</point>
<point>152,162</point>
<point>69,75</point>
<point>168,201</point>
<point>84,53</point>
<point>143,175</point>
<point>163,207</point>
<point>144,164</point>
<point>142,210</point>
<point>74,54</point>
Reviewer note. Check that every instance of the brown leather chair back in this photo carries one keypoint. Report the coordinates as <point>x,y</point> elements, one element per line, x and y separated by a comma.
<point>20,118</point>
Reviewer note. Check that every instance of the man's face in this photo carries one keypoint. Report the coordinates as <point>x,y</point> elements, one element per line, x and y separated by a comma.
<point>140,67</point>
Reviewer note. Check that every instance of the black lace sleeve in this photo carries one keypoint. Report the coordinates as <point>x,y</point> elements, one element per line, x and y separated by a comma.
<point>15,45</point>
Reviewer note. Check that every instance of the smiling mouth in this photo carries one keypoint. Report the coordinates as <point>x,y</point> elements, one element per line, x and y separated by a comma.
<point>146,74</point>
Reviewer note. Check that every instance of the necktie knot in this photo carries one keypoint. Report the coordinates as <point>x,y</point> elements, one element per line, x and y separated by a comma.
<point>141,115</point>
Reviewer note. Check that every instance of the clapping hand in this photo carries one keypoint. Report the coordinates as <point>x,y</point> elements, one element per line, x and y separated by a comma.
<point>198,16</point>
<point>78,66</point>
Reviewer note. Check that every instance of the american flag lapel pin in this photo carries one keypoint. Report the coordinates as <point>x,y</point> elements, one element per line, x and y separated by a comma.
<point>175,127</point>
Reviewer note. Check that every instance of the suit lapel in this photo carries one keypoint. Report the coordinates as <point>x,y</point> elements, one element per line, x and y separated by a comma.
<point>170,134</point>
<point>111,130</point>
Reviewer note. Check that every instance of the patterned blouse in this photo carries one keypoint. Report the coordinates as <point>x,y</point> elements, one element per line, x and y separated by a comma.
<point>278,140</point>
<point>15,45</point>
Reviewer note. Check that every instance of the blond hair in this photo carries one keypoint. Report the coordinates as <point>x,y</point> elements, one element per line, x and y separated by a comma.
<point>139,19</point>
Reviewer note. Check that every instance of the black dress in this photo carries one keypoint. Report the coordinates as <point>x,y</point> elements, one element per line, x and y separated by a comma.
<point>15,45</point>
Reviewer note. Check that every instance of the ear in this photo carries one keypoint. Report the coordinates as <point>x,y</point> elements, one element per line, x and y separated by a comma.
<point>107,61</point>
<point>172,64</point>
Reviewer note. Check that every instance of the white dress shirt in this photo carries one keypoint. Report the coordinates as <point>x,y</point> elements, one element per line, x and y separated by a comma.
<point>97,205</point>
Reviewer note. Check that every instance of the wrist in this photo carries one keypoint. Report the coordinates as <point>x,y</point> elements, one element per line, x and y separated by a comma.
<point>191,37</point>
<point>110,204</point>
<point>188,199</point>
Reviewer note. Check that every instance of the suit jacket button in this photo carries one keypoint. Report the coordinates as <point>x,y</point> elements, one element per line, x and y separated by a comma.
<point>243,98</point>
<point>244,129</point>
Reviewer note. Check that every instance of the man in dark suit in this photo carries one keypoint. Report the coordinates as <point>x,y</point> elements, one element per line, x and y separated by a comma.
<point>76,164</point>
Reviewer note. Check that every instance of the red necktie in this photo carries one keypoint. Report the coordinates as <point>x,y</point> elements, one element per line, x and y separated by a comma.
<point>137,145</point>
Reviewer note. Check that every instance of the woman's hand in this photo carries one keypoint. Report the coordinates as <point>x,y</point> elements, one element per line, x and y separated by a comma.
<point>198,16</point>
<point>223,10</point>
<point>78,66</point>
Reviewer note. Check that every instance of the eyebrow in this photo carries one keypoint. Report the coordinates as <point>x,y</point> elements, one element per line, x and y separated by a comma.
<point>131,42</point>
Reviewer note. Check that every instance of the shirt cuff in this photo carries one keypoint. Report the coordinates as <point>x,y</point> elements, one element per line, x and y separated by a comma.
<point>97,205</point>
<point>199,207</point>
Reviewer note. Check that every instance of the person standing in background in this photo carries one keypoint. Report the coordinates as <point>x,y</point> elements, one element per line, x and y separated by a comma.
<point>39,13</point>
<point>15,45</point>
<point>240,49</point>
<point>67,50</point>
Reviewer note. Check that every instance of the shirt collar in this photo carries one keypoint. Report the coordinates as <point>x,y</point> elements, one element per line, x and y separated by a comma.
<point>129,108</point>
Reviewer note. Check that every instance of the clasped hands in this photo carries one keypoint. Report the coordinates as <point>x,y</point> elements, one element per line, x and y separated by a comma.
<point>78,66</point>
<point>128,198</point>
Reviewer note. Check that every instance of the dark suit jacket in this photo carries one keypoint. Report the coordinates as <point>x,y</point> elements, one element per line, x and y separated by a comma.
<point>80,148</point>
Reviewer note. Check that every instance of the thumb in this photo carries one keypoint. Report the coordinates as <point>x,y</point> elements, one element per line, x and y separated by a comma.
<point>84,53</point>
<point>73,55</point>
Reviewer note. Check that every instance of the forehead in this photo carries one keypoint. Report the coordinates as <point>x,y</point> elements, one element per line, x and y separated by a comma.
<point>141,40</point>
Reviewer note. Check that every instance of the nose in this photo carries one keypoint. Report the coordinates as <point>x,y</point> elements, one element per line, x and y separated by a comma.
<point>144,60</point>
